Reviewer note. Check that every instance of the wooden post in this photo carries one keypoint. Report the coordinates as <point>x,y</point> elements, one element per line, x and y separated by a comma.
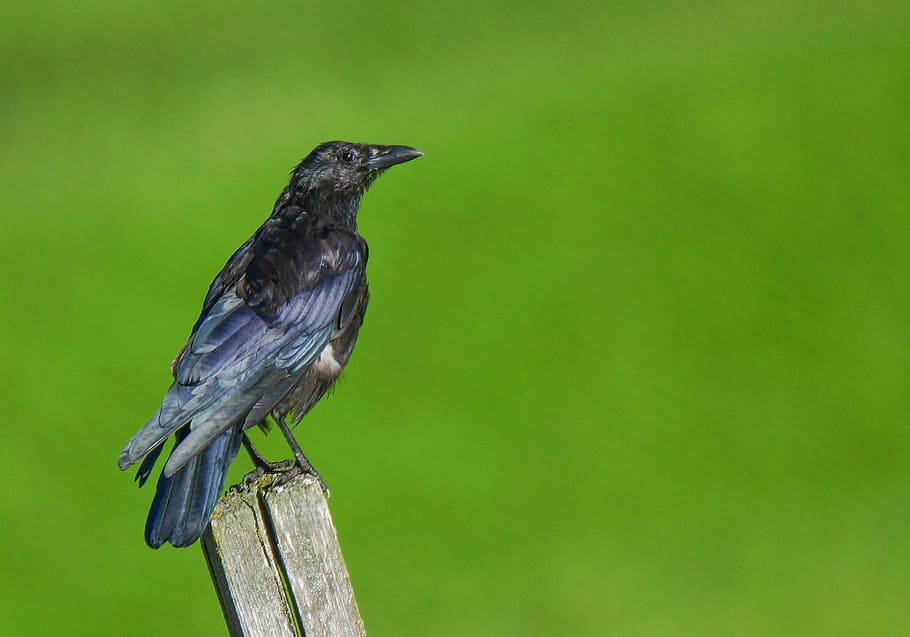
<point>275,561</point>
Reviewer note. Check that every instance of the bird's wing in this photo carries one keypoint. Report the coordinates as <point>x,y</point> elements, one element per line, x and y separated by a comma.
<point>257,334</point>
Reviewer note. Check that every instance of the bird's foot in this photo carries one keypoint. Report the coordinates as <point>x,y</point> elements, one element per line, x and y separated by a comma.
<point>295,469</point>
<point>264,467</point>
<point>302,464</point>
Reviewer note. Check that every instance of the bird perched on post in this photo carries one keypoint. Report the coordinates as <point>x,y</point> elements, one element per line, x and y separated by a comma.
<point>277,327</point>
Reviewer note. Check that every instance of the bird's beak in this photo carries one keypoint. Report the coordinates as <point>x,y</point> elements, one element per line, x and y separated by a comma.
<point>382,157</point>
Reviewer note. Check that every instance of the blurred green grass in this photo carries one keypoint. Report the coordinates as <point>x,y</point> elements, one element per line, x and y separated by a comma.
<point>636,354</point>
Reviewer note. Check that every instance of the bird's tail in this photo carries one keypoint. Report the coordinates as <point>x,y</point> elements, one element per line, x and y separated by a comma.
<point>184,502</point>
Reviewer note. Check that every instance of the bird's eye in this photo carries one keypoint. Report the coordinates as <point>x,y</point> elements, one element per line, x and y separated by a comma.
<point>348,156</point>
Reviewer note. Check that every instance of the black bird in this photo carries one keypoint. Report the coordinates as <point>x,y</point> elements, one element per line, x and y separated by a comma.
<point>277,326</point>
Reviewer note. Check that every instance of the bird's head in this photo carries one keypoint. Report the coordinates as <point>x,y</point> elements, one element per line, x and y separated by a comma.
<point>344,169</point>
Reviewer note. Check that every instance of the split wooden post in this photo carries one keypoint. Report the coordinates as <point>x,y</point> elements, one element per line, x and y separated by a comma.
<point>275,561</point>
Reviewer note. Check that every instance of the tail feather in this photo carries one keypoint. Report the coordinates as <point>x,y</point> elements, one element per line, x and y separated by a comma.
<point>184,501</point>
<point>208,426</point>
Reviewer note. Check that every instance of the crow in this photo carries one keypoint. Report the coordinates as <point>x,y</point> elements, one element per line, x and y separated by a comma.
<point>277,327</point>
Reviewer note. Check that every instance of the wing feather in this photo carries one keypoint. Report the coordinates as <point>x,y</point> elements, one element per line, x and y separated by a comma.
<point>242,354</point>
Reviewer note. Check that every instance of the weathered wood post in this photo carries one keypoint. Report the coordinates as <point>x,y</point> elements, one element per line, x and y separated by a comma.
<point>275,561</point>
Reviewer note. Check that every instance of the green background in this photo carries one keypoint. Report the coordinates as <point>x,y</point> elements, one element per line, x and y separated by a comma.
<point>637,353</point>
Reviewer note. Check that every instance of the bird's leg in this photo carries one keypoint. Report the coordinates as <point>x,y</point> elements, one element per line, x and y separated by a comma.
<point>263,466</point>
<point>303,465</point>
<point>255,456</point>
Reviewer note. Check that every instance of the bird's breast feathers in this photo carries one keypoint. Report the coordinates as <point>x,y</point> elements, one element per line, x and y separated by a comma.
<point>327,364</point>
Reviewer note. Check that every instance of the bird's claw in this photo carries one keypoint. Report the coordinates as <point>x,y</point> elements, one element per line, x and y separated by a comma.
<point>273,468</point>
<point>285,475</point>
